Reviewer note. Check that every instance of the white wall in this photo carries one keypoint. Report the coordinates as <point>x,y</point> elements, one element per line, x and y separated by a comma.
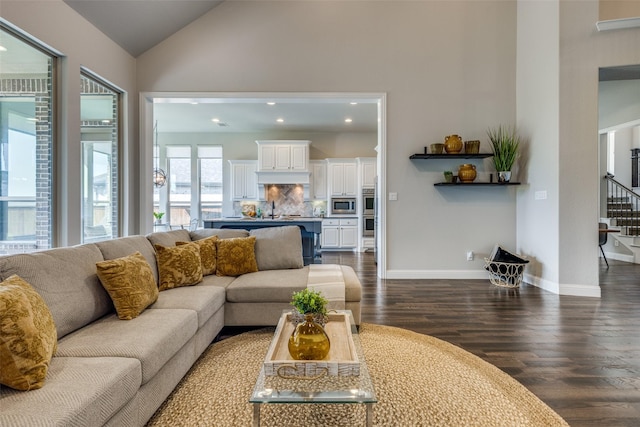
<point>538,95</point>
<point>446,67</point>
<point>583,51</point>
<point>61,28</point>
<point>618,102</point>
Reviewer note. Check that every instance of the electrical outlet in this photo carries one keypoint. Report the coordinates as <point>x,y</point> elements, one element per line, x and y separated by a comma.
<point>470,256</point>
<point>616,243</point>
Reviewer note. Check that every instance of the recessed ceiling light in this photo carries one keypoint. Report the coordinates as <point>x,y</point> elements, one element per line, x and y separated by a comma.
<point>348,120</point>
<point>271,103</point>
<point>353,103</point>
<point>280,120</point>
<point>193,103</point>
<point>3,49</point>
<point>215,120</point>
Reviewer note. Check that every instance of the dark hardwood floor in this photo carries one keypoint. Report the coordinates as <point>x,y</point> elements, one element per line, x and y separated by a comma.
<point>579,355</point>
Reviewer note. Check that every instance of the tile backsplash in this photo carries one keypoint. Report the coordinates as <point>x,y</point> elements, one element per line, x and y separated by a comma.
<point>289,200</point>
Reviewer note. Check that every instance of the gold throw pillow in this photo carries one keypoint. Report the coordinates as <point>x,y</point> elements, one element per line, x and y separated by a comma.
<point>178,265</point>
<point>130,284</point>
<point>28,337</point>
<point>208,253</point>
<point>236,256</point>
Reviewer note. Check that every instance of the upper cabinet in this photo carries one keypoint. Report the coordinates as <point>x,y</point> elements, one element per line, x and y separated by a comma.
<point>283,156</point>
<point>367,171</point>
<point>343,177</point>
<point>318,179</point>
<point>243,179</point>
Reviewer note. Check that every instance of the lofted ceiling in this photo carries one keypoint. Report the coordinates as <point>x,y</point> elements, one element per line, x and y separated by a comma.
<point>138,25</point>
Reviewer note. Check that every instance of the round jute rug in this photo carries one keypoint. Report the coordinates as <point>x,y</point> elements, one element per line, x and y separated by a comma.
<point>419,381</point>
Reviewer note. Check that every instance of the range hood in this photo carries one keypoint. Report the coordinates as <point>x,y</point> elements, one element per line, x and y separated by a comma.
<point>283,177</point>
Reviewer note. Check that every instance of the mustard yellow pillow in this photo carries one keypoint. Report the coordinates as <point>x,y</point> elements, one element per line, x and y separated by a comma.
<point>130,284</point>
<point>28,337</point>
<point>236,256</point>
<point>208,253</point>
<point>178,265</point>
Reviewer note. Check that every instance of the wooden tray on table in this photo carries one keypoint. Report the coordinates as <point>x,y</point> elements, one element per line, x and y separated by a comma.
<point>342,359</point>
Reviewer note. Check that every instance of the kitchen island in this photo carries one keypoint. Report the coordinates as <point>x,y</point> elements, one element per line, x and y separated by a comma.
<point>310,228</point>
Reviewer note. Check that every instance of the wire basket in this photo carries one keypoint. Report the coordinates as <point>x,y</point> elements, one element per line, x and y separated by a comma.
<point>505,274</point>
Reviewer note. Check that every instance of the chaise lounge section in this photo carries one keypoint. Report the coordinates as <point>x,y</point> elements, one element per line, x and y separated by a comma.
<point>114,372</point>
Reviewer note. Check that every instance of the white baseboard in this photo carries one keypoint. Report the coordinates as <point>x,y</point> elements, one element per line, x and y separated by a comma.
<point>564,288</point>
<point>620,257</point>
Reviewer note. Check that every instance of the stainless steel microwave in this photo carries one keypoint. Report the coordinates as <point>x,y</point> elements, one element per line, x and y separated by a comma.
<point>343,206</point>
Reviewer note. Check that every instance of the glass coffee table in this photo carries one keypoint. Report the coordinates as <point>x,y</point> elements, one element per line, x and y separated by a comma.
<point>327,389</point>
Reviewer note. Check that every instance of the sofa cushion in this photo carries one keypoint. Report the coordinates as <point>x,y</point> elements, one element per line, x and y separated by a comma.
<point>153,338</point>
<point>352,285</point>
<point>79,392</point>
<point>208,253</point>
<point>225,233</point>
<point>130,284</point>
<point>268,286</point>
<point>67,281</point>
<point>219,281</point>
<point>168,238</point>
<point>236,256</point>
<point>204,300</point>
<point>178,266</point>
<point>27,336</point>
<point>118,248</point>
<point>278,247</point>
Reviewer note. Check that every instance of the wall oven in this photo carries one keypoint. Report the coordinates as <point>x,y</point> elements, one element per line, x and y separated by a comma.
<point>368,201</point>
<point>343,206</point>
<point>368,226</point>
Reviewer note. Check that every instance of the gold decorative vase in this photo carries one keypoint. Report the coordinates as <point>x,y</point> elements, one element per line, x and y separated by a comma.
<point>453,144</point>
<point>467,172</point>
<point>309,341</point>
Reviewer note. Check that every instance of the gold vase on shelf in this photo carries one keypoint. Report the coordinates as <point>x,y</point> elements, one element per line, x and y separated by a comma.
<point>467,172</point>
<point>309,341</point>
<point>452,144</point>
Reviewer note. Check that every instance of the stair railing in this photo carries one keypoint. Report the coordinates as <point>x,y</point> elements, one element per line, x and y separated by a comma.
<point>623,205</point>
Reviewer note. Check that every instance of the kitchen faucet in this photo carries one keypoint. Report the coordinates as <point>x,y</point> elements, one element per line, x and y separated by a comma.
<point>273,207</point>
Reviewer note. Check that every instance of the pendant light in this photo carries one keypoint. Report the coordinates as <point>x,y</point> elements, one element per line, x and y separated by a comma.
<point>159,176</point>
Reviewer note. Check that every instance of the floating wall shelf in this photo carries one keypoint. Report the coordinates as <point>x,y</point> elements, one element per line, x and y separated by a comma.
<point>450,156</point>
<point>474,183</point>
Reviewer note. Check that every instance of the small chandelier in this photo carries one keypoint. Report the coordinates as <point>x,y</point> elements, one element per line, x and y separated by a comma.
<point>159,175</point>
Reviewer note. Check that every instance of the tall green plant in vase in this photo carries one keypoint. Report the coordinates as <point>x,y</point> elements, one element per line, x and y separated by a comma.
<point>505,144</point>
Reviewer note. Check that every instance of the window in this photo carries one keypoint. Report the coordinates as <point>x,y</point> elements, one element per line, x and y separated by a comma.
<point>26,144</point>
<point>210,177</point>
<point>193,190</point>
<point>99,113</point>
<point>179,183</point>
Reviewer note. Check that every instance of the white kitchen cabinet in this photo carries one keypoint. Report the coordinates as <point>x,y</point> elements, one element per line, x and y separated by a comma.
<point>318,180</point>
<point>340,233</point>
<point>244,184</point>
<point>367,171</point>
<point>343,177</point>
<point>283,155</point>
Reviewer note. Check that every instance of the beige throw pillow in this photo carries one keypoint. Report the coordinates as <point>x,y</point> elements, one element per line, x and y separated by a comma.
<point>178,265</point>
<point>130,284</point>
<point>208,253</point>
<point>28,337</point>
<point>278,248</point>
<point>236,256</point>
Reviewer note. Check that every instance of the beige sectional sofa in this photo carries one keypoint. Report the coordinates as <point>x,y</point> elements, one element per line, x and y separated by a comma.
<point>108,371</point>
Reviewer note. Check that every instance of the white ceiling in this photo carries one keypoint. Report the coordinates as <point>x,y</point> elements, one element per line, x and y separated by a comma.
<point>255,115</point>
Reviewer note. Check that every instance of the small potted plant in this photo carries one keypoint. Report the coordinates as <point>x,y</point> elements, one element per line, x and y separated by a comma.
<point>158,216</point>
<point>309,341</point>
<point>505,144</point>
